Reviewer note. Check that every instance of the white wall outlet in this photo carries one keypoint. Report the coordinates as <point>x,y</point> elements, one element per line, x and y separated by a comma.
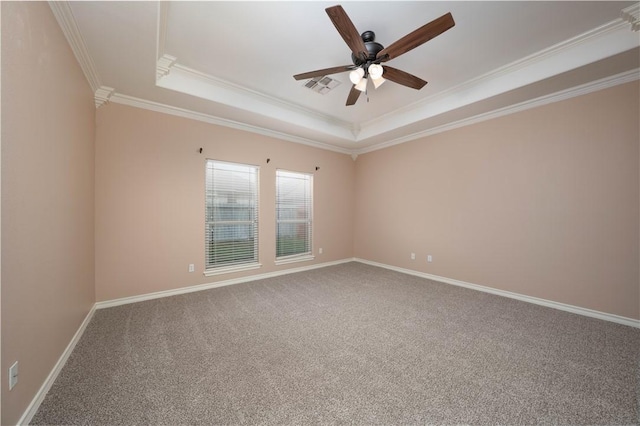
<point>320,250</point>
<point>429,258</point>
<point>413,256</point>
<point>192,267</point>
<point>13,375</point>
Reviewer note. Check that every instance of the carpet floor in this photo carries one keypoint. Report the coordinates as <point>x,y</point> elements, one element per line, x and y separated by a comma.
<point>350,343</point>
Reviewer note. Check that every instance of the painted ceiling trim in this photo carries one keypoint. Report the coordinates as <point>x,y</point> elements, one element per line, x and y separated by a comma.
<point>218,90</point>
<point>580,90</point>
<point>102,95</point>
<point>163,65</point>
<point>118,98</point>
<point>588,47</point>
<point>581,50</point>
<point>601,42</point>
<point>163,17</point>
<point>63,14</point>
<point>632,15</point>
<point>594,86</point>
<point>192,82</point>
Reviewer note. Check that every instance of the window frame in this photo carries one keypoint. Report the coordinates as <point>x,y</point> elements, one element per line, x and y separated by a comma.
<point>306,255</point>
<point>239,265</point>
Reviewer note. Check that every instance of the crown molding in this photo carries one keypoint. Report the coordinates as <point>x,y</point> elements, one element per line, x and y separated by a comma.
<point>605,40</point>
<point>355,130</point>
<point>583,89</point>
<point>163,17</point>
<point>102,95</point>
<point>573,92</point>
<point>196,83</point>
<point>588,47</point>
<point>193,82</point>
<point>631,14</point>
<point>63,14</point>
<point>193,115</point>
<point>164,64</point>
<point>593,45</point>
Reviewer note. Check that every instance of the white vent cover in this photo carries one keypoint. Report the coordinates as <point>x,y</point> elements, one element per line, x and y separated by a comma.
<point>322,84</point>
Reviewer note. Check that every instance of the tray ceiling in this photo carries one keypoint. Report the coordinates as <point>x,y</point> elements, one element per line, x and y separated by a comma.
<point>232,63</point>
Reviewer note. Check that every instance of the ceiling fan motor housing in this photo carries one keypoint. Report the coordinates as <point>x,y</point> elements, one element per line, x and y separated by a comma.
<point>372,47</point>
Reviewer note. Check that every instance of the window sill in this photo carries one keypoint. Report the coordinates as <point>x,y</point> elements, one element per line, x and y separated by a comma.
<point>230,269</point>
<point>295,259</point>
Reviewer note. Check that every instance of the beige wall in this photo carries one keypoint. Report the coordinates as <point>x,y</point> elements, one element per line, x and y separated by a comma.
<point>543,202</point>
<point>47,199</point>
<point>150,198</point>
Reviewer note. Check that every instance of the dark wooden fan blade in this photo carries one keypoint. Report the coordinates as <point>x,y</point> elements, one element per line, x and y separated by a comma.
<point>404,78</point>
<point>354,94</point>
<point>326,71</point>
<point>416,38</point>
<point>348,31</point>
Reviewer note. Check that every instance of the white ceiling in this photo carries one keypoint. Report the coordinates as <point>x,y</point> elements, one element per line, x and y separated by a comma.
<point>232,63</point>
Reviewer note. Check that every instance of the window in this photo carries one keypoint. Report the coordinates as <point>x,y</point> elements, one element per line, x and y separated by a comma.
<point>231,217</point>
<point>293,216</point>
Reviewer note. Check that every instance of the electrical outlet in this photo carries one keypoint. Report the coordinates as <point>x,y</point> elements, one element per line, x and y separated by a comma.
<point>13,375</point>
<point>413,256</point>
<point>320,250</point>
<point>192,267</point>
<point>429,258</point>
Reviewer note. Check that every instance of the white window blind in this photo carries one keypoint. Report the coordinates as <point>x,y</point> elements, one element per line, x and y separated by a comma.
<point>293,214</point>
<point>231,214</point>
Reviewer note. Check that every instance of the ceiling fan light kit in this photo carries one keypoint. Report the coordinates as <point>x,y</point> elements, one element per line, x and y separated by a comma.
<point>367,54</point>
<point>377,82</point>
<point>375,71</point>
<point>356,75</point>
<point>359,76</point>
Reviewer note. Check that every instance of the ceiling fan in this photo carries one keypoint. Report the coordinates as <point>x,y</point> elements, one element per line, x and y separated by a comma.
<point>367,54</point>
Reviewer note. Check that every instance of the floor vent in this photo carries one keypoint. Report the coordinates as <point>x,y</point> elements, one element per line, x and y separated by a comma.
<point>322,84</point>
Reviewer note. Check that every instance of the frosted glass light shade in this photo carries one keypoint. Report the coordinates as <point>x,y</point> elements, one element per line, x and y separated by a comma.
<point>362,85</point>
<point>375,71</point>
<point>377,81</point>
<point>356,75</point>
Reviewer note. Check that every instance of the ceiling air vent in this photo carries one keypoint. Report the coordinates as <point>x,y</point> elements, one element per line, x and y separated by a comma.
<point>322,84</point>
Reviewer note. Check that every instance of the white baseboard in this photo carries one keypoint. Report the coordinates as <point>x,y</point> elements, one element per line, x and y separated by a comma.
<point>535,300</point>
<point>51,378</point>
<point>42,392</point>
<point>530,299</point>
<point>200,287</point>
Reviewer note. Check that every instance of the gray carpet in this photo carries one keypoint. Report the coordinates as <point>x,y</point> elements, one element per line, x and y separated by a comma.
<point>346,344</point>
